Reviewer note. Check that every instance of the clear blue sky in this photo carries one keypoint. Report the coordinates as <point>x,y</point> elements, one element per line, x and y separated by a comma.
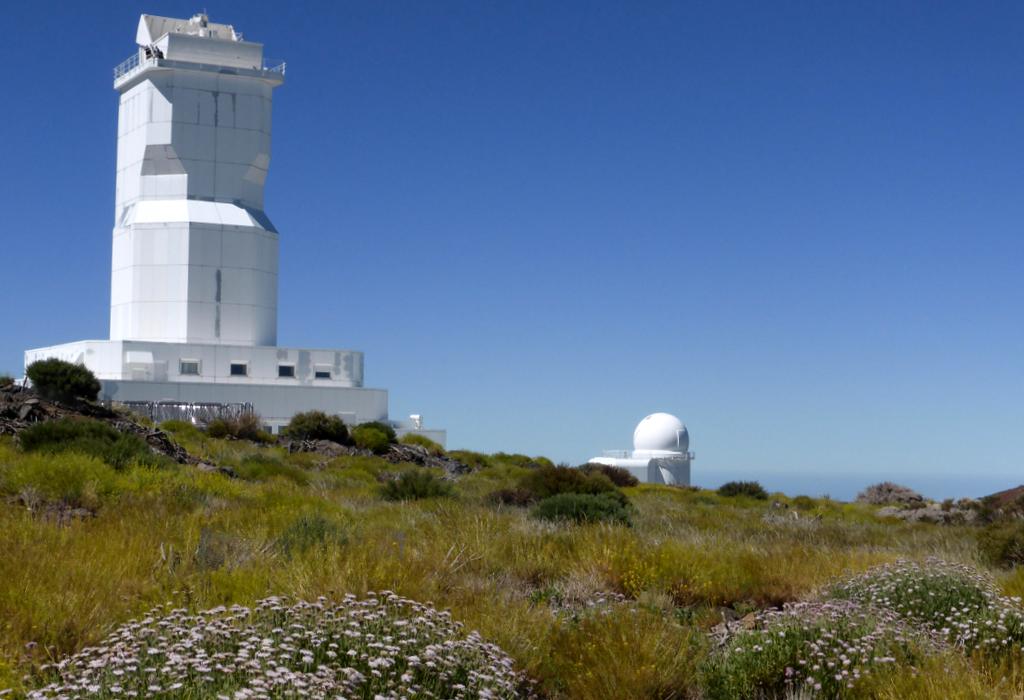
<point>795,225</point>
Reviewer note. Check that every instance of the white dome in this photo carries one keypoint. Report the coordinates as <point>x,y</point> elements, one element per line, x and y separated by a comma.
<point>661,431</point>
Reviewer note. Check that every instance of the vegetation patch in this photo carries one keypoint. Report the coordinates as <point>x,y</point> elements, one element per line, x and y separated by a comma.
<point>749,489</point>
<point>247,426</point>
<point>89,437</point>
<point>380,646</point>
<point>317,425</point>
<point>63,381</point>
<point>617,475</point>
<point>584,508</point>
<point>375,436</point>
<point>424,442</point>
<point>417,484</point>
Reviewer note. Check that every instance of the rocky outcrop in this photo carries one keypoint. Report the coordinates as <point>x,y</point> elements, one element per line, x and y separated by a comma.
<point>412,454</point>
<point>20,407</point>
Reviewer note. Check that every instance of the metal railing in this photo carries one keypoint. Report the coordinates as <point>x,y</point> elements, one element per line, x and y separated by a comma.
<point>194,413</point>
<point>136,62</point>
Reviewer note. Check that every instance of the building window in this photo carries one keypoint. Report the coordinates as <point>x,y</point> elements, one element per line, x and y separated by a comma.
<point>239,369</point>
<point>322,374</point>
<point>286,371</point>
<point>189,367</point>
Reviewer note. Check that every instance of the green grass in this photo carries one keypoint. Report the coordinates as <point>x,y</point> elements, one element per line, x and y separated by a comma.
<point>303,525</point>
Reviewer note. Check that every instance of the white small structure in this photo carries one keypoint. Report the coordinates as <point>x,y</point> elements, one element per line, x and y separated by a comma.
<point>661,452</point>
<point>194,271</point>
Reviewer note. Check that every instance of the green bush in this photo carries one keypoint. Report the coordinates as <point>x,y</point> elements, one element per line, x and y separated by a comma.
<point>519,460</point>
<point>77,480</point>
<point>90,437</point>
<point>317,425</point>
<point>476,460</point>
<point>1002,545</point>
<point>370,437</point>
<point>512,497</point>
<point>750,489</point>
<point>63,381</point>
<point>424,442</point>
<point>265,467</point>
<point>308,531</point>
<point>6,380</point>
<point>551,481</point>
<point>416,484</point>
<point>382,427</point>
<point>583,508</point>
<point>803,502</point>
<point>618,476</point>
<point>248,426</point>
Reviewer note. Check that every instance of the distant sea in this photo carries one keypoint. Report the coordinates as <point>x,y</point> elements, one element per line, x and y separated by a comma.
<point>845,487</point>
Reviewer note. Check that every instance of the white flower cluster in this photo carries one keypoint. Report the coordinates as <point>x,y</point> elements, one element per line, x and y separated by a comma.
<point>382,646</point>
<point>954,602</point>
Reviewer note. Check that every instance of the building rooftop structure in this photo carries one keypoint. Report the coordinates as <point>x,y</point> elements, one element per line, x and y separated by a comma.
<point>661,452</point>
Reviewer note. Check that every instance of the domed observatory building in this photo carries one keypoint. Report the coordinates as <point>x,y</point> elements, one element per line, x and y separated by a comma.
<point>194,273</point>
<point>661,452</point>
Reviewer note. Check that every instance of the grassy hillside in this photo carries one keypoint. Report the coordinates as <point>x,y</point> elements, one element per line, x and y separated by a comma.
<point>584,610</point>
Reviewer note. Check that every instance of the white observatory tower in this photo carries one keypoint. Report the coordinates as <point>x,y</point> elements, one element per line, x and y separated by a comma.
<point>193,307</point>
<point>195,257</point>
<point>661,452</point>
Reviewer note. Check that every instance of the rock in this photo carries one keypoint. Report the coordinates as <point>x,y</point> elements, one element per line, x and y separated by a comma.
<point>213,469</point>
<point>748,621</point>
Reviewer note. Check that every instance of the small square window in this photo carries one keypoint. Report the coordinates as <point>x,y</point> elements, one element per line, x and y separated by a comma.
<point>239,369</point>
<point>190,367</point>
<point>286,371</point>
<point>322,374</point>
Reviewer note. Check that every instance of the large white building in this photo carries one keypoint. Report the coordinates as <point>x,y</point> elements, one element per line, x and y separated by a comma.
<point>661,452</point>
<point>193,307</point>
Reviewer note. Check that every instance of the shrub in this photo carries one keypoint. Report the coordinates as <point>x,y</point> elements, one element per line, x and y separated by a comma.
<point>247,426</point>
<point>518,460</point>
<point>619,476</point>
<point>551,481</point>
<point>317,425</point>
<point>264,467</point>
<point>63,381</point>
<point>416,484</point>
<point>1002,544</point>
<point>382,427</point>
<point>424,442</point>
<point>583,508</point>
<point>6,380</point>
<point>369,437</point>
<point>476,460</point>
<point>76,480</point>
<point>803,502</point>
<point>308,531</point>
<point>888,493</point>
<point>512,497</point>
<point>807,650</point>
<point>90,437</point>
<point>383,646</point>
<point>750,489</point>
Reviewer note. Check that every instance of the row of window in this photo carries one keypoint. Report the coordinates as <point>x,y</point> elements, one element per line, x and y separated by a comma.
<point>241,369</point>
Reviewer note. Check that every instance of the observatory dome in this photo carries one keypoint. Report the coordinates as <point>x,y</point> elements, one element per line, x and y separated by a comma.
<point>661,431</point>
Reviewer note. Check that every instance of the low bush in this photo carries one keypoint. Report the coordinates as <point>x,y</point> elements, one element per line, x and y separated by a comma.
<point>317,425</point>
<point>584,508</point>
<point>6,380</point>
<point>415,485</point>
<point>369,436</point>
<point>248,426</point>
<point>476,460</point>
<point>512,497</point>
<point>887,493</point>
<point>618,476</point>
<point>424,442</point>
<point>63,381</point>
<point>1002,544</point>
<point>551,481</point>
<point>520,460</point>
<point>309,531</point>
<point>90,437</point>
<point>76,480</point>
<point>804,503</point>
<point>383,646</point>
<point>808,650</point>
<point>382,427</point>
<point>750,489</point>
<point>265,467</point>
